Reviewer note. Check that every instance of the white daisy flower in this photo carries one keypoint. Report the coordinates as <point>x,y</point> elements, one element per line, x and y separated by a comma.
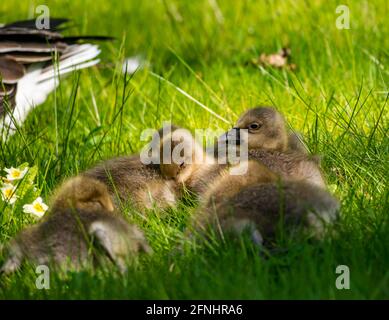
<point>8,193</point>
<point>15,173</point>
<point>37,208</point>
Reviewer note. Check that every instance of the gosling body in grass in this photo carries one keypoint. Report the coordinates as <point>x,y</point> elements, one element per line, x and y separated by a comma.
<point>259,202</point>
<point>131,181</point>
<point>269,142</point>
<point>80,227</point>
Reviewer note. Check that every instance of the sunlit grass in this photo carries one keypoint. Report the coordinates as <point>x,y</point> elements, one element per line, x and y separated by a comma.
<point>337,98</point>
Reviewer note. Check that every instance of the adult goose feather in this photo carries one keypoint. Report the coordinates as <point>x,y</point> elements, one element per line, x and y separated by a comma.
<point>31,60</point>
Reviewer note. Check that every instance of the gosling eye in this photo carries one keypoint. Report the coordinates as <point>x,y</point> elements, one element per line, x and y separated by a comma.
<point>182,165</point>
<point>254,126</point>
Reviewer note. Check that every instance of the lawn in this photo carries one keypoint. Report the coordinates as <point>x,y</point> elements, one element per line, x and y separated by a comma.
<point>337,97</point>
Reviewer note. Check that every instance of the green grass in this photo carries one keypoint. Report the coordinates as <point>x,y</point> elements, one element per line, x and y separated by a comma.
<point>337,98</point>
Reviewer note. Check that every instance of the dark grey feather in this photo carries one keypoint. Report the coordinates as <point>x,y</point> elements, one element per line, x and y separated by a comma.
<point>10,70</point>
<point>9,46</point>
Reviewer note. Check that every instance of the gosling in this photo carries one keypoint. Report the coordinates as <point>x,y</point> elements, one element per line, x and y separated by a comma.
<point>80,219</point>
<point>269,142</point>
<point>258,201</point>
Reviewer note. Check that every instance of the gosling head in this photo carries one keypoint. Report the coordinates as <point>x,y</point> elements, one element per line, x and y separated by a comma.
<point>84,193</point>
<point>179,153</point>
<point>266,129</point>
